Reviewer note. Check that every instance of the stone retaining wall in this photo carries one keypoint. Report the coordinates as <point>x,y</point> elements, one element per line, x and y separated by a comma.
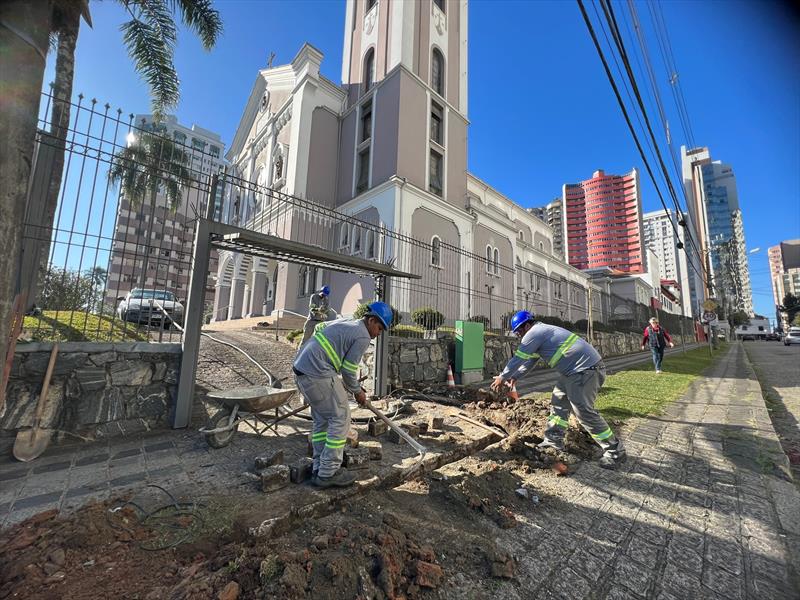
<point>97,390</point>
<point>419,361</point>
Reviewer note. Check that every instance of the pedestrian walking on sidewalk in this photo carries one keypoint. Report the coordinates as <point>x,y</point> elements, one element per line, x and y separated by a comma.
<point>318,311</point>
<point>657,338</point>
<point>582,374</point>
<point>335,349</point>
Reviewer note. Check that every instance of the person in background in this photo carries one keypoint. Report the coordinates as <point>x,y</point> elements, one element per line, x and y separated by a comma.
<point>336,349</point>
<point>658,338</point>
<point>318,312</point>
<point>581,375</point>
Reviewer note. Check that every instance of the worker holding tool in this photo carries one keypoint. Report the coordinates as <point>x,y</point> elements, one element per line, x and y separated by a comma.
<point>318,312</point>
<point>582,373</point>
<point>657,338</point>
<point>335,348</point>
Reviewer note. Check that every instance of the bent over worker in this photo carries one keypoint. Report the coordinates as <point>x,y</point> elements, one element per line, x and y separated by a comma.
<point>318,310</point>
<point>582,374</point>
<point>335,348</point>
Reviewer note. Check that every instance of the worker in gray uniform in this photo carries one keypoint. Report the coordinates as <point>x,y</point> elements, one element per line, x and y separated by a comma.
<point>582,374</point>
<point>335,349</point>
<point>318,311</point>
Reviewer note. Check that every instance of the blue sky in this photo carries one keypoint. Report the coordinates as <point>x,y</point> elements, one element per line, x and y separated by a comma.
<point>541,109</point>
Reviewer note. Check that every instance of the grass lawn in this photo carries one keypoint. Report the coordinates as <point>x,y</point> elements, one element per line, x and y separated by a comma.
<point>638,391</point>
<point>79,326</point>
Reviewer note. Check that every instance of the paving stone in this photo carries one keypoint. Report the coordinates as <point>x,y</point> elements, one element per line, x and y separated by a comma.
<point>49,468</point>
<point>269,459</point>
<point>13,474</point>
<point>36,501</point>
<point>127,480</point>
<point>301,470</point>
<point>377,428</point>
<point>726,584</point>
<point>356,458</point>
<point>160,447</point>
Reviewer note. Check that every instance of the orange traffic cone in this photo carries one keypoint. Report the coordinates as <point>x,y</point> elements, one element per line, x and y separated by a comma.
<point>512,393</point>
<point>451,382</point>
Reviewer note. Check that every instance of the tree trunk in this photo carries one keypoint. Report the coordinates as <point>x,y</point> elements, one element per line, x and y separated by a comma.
<point>57,136</point>
<point>148,240</point>
<point>24,30</point>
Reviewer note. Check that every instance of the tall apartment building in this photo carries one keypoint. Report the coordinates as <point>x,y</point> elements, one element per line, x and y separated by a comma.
<point>169,249</point>
<point>717,229</point>
<point>784,268</point>
<point>603,223</point>
<point>552,214</point>
<point>659,236</point>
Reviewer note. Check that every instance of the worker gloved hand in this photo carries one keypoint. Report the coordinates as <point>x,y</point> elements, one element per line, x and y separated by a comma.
<point>361,397</point>
<point>497,384</point>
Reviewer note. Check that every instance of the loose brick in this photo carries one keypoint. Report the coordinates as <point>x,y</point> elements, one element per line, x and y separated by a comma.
<point>269,460</point>
<point>356,458</point>
<point>411,429</point>
<point>274,478</point>
<point>422,426</point>
<point>396,437</point>
<point>375,449</point>
<point>377,428</point>
<point>435,422</point>
<point>301,470</point>
<point>429,575</point>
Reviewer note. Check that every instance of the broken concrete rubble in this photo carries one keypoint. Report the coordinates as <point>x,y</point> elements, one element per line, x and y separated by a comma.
<point>377,428</point>
<point>356,458</point>
<point>274,478</point>
<point>301,470</point>
<point>269,460</point>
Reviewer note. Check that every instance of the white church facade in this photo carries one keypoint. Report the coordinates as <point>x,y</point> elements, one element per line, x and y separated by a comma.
<point>389,147</point>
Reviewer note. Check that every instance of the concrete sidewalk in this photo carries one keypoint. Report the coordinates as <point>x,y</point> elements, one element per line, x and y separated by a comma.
<point>702,509</point>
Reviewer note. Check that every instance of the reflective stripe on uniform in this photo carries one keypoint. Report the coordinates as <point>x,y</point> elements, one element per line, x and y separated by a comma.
<point>524,355</point>
<point>556,420</point>
<point>319,327</point>
<point>566,345</point>
<point>326,346</point>
<point>348,366</point>
<point>603,435</point>
<point>334,443</point>
<point>319,437</point>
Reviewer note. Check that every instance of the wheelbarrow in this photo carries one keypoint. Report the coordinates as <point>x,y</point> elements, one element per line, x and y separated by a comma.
<point>246,405</point>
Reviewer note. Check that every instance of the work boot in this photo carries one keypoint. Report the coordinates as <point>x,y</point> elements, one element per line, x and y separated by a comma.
<point>341,478</point>
<point>614,456</point>
<point>551,443</point>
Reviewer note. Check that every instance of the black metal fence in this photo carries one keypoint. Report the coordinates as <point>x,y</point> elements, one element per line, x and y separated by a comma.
<point>112,205</point>
<point>109,228</point>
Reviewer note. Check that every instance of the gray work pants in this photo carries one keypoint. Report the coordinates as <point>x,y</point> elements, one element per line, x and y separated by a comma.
<point>578,392</point>
<point>308,329</point>
<point>330,411</point>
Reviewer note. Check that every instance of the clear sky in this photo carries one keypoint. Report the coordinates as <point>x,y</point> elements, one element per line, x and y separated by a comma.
<point>541,109</point>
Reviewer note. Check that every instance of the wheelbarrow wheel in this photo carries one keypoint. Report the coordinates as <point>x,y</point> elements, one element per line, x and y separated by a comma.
<point>222,438</point>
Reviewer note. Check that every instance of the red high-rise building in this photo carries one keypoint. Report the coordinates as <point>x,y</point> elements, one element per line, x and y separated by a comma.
<point>603,223</point>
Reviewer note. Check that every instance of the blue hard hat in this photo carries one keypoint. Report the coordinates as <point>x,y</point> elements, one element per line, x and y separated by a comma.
<point>383,312</point>
<point>325,291</point>
<point>520,318</point>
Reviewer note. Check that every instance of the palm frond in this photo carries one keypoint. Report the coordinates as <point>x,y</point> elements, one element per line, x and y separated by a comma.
<point>156,14</point>
<point>200,16</point>
<point>153,60</point>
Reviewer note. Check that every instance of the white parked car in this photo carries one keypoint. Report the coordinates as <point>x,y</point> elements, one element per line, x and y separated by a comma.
<point>792,337</point>
<point>138,306</point>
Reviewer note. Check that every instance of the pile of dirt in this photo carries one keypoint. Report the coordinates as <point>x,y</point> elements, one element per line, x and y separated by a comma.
<point>362,561</point>
<point>490,489</point>
<point>525,421</point>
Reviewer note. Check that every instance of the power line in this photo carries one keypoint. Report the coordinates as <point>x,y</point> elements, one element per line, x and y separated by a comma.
<point>615,33</point>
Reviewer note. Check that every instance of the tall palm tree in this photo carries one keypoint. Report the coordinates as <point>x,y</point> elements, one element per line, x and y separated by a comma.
<point>151,163</point>
<point>150,37</point>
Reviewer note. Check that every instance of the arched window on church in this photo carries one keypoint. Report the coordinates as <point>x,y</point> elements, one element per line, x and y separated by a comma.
<point>369,70</point>
<point>437,72</point>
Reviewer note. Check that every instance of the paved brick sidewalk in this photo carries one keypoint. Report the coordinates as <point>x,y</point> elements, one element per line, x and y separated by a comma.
<point>700,510</point>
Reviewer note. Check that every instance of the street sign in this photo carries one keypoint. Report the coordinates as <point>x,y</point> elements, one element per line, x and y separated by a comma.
<point>709,317</point>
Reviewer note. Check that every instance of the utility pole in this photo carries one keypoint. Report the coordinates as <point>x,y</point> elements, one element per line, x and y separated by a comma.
<point>589,321</point>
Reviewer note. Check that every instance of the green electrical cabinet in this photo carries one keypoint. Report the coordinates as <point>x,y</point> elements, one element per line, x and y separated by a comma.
<point>469,352</point>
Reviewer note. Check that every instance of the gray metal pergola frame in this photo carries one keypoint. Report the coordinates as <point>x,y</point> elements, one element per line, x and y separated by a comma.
<point>212,234</point>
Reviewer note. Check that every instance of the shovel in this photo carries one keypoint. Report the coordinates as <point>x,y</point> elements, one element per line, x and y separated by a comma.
<point>30,443</point>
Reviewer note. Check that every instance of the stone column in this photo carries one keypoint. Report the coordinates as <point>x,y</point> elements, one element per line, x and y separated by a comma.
<point>246,300</point>
<point>257,298</point>
<point>222,298</point>
<point>237,300</point>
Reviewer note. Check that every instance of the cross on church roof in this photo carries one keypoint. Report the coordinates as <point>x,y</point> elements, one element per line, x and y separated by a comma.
<point>270,59</point>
